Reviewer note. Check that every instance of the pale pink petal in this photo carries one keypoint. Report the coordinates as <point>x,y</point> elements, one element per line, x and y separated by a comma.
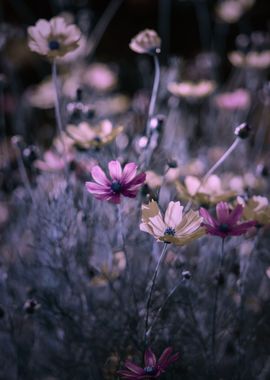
<point>99,176</point>
<point>115,170</point>
<point>173,215</point>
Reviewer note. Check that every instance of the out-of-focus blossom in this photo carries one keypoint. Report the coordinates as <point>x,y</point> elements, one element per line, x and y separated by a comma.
<point>256,208</point>
<point>100,77</point>
<point>52,162</point>
<point>227,222</point>
<point>235,100</point>
<point>210,192</point>
<point>123,182</point>
<point>231,11</point>
<point>152,369</point>
<point>113,105</point>
<point>42,96</point>
<point>175,227</point>
<point>53,38</point>
<point>240,183</point>
<point>85,136</point>
<point>110,273</point>
<point>192,90</point>
<point>146,41</point>
<point>252,59</point>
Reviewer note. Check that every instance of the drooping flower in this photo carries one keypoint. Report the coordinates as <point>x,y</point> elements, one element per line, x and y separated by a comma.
<point>146,42</point>
<point>175,227</point>
<point>123,182</point>
<point>227,222</point>
<point>53,38</point>
<point>256,208</point>
<point>152,369</point>
<point>86,136</point>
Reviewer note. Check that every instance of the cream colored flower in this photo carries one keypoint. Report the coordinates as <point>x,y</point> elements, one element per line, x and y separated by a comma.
<point>174,227</point>
<point>253,59</point>
<point>146,41</point>
<point>100,77</point>
<point>231,11</point>
<point>210,192</point>
<point>256,208</point>
<point>192,90</point>
<point>85,136</point>
<point>53,38</point>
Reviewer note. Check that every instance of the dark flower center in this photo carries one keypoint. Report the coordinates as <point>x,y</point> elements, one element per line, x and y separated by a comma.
<point>150,370</point>
<point>223,227</point>
<point>116,187</point>
<point>54,45</point>
<point>169,231</point>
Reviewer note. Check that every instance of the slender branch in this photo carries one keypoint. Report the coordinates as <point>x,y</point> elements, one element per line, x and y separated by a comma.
<point>153,282</point>
<point>58,117</point>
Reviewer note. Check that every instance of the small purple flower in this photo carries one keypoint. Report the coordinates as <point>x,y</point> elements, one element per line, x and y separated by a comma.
<point>123,182</point>
<point>227,222</point>
<point>152,369</point>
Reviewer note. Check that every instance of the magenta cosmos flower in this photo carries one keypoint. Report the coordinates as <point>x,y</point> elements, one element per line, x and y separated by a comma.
<point>123,182</point>
<point>153,368</point>
<point>227,222</point>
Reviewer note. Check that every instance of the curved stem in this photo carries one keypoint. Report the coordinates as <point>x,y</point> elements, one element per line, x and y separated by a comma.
<point>148,304</point>
<point>215,167</point>
<point>153,99</point>
<point>58,117</point>
<point>221,259</point>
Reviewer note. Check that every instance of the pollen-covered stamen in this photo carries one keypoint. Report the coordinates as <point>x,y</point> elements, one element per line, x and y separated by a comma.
<point>54,45</point>
<point>116,187</point>
<point>223,227</point>
<point>169,231</point>
<point>150,370</point>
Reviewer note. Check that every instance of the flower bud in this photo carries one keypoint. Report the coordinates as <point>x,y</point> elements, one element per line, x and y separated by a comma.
<point>242,131</point>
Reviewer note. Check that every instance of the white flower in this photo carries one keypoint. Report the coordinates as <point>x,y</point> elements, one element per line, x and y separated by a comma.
<point>53,38</point>
<point>192,90</point>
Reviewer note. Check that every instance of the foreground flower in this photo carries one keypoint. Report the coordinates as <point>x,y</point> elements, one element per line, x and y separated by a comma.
<point>175,227</point>
<point>53,38</point>
<point>256,208</point>
<point>227,222</point>
<point>152,369</point>
<point>146,41</point>
<point>123,182</point>
<point>85,136</point>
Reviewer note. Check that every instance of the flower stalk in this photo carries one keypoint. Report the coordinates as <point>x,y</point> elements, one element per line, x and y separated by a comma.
<point>153,283</point>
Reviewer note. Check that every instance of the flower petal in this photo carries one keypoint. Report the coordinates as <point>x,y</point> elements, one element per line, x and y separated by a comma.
<point>208,219</point>
<point>99,176</point>
<point>223,212</point>
<point>134,368</point>
<point>137,181</point>
<point>129,172</point>
<point>235,215</point>
<point>173,215</point>
<point>149,358</point>
<point>115,170</point>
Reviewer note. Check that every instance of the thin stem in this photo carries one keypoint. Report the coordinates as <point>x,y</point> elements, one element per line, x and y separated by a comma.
<point>23,172</point>
<point>148,332</point>
<point>221,259</point>
<point>59,122</point>
<point>214,168</point>
<point>153,282</point>
<point>146,156</point>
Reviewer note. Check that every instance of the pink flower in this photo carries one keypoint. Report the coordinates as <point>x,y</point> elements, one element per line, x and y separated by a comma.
<point>227,222</point>
<point>153,368</point>
<point>123,182</point>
